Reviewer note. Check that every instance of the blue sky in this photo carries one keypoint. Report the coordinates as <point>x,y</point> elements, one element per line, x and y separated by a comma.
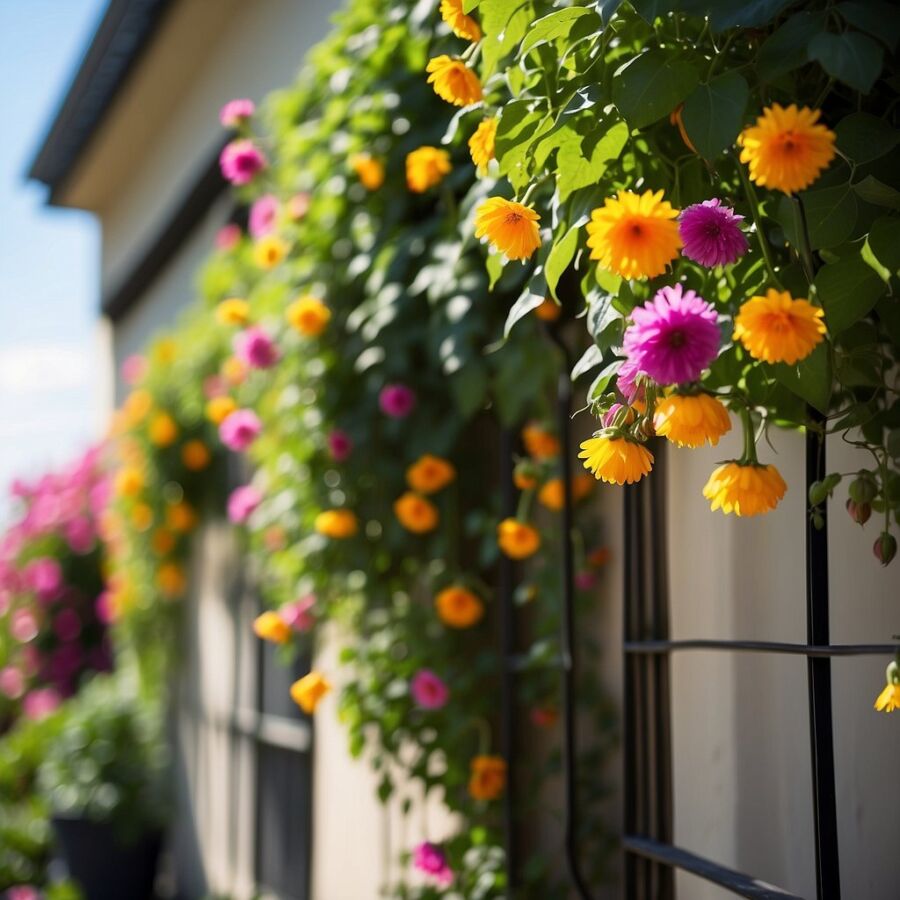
<point>50,360</point>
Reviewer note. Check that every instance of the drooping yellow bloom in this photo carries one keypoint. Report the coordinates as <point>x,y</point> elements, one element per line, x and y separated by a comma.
<point>458,607</point>
<point>233,311</point>
<point>430,474</point>
<point>218,409</point>
<point>539,442</point>
<point>460,24</point>
<point>777,328</point>
<point>691,420</point>
<point>271,627</point>
<point>453,80</point>
<point>634,235</point>
<point>745,489</point>
<point>308,315</point>
<point>162,430</point>
<point>415,513</point>
<point>170,579</point>
<point>787,149</point>
<point>337,523</point>
<point>889,699</point>
<point>616,460</point>
<point>425,168</point>
<point>129,481</point>
<point>268,251</point>
<point>369,170</point>
<point>481,144</point>
<point>488,777</point>
<point>309,690</point>
<point>548,311</point>
<point>509,226</point>
<point>195,455</point>
<point>517,540</point>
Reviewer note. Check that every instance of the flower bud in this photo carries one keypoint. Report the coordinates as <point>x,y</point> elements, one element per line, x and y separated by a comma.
<point>859,512</point>
<point>818,493</point>
<point>885,548</point>
<point>863,488</point>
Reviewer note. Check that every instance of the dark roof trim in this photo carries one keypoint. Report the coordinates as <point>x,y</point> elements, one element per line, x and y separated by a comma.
<point>124,33</point>
<point>169,240</point>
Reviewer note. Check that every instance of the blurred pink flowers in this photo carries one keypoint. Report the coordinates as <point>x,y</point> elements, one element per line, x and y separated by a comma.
<point>240,429</point>
<point>227,236</point>
<point>240,161</point>
<point>397,400</point>
<point>428,690</point>
<point>263,215</point>
<point>339,445</point>
<point>40,702</point>
<point>236,112</point>
<point>242,502</point>
<point>298,614</point>
<point>255,348</point>
<point>431,860</point>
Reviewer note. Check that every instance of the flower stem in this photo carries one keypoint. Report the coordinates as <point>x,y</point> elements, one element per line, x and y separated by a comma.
<point>749,457</point>
<point>805,250</point>
<point>760,235</point>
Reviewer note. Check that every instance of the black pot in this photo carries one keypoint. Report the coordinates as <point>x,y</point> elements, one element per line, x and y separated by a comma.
<point>106,866</point>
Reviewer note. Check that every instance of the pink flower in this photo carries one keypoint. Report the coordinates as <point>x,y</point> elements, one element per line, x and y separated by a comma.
<point>80,534</point>
<point>240,161</point>
<point>67,625</point>
<point>235,112</point>
<point>214,386</point>
<point>626,381</point>
<point>40,702</point>
<point>431,859</point>
<point>299,613</point>
<point>397,401</point>
<point>44,577</point>
<point>585,580</point>
<point>103,608</point>
<point>240,429</point>
<point>23,892</point>
<point>711,234</point>
<point>255,348</point>
<point>263,214</point>
<point>339,445</point>
<point>134,368</point>
<point>298,206</point>
<point>242,502</point>
<point>428,690</point>
<point>228,236</point>
<point>12,682</point>
<point>674,336</point>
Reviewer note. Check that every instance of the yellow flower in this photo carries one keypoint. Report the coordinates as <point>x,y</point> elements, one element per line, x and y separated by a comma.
<point>415,513</point>
<point>181,517</point>
<point>369,170</point>
<point>458,607</point>
<point>510,227</point>
<point>170,579</point>
<point>337,523</point>
<point>233,311</point>
<point>129,481</point>
<point>548,311</point>
<point>162,541</point>
<point>889,699</point>
<point>430,474</point>
<point>488,777</point>
<point>136,407</point>
<point>309,690</point>
<point>517,539</point>
<point>141,516</point>
<point>425,168</point>
<point>691,420</point>
<point>776,328</point>
<point>271,627</point>
<point>786,149</point>
<point>616,460</point>
<point>539,442</point>
<point>219,409</point>
<point>162,430</point>
<point>481,144</point>
<point>745,489</point>
<point>268,251</point>
<point>634,235</point>
<point>460,24</point>
<point>233,371</point>
<point>165,350</point>
<point>195,455</point>
<point>453,80</point>
<point>308,315</point>
<point>551,494</point>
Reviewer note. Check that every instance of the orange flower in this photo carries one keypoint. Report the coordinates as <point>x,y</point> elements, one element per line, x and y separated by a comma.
<point>415,513</point>
<point>551,494</point>
<point>461,25</point>
<point>488,777</point>
<point>141,516</point>
<point>525,476</point>
<point>308,315</point>
<point>309,690</point>
<point>129,481</point>
<point>233,311</point>
<point>181,517</point>
<point>599,557</point>
<point>234,371</point>
<point>271,627</point>
<point>219,409</point>
<point>136,407</point>
<point>539,443</point>
<point>425,168</point>
<point>162,430</point>
<point>170,579</point>
<point>548,311</point>
<point>195,455</point>
<point>430,474</point>
<point>777,328</point>
<point>162,542</point>
<point>453,80</point>
<point>369,170</point>
<point>337,523</point>
<point>510,227</point>
<point>517,539</point>
<point>458,607</point>
<point>482,144</point>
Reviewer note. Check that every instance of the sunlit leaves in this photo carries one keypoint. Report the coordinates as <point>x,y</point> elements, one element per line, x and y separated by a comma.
<point>714,113</point>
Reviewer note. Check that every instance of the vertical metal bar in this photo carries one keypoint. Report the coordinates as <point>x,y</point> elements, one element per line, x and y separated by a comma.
<point>507,674</point>
<point>629,743</point>
<point>828,882</point>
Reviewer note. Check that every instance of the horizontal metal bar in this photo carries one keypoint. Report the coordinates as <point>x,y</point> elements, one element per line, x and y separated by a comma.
<point>808,650</point>
<point>736,882</point>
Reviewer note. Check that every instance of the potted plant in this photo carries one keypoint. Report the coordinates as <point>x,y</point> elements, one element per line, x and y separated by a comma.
<point>104,781</point>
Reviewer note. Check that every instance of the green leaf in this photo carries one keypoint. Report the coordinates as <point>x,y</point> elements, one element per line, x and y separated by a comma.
<point>504,23</point>
<point>831,215</point>
<point>874,191</point>
<point>651,85</point>
<point>601,382</point>
<point>852,58</point>
<point>589,359</point>
<point>576,172</point>
<point>714,112</point>
<point>811,378</point>
<point>786,49</point>
<point>875,18</point>
<point>884,242</point>
<point>862,137</point>
<point>531,298</point>
<point>554,26</point>
<point>737,13</point>
<point>561,254</point>
<point>847,290</point>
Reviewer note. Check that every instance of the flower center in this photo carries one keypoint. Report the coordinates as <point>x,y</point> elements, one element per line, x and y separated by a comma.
<point>712,229</point>
<point>636,229</point>
<point>513,218</point>
<point>677,339</point>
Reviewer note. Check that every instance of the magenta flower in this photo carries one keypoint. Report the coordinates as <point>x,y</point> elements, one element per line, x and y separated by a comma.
<point>44,577</point>
<point>263,214</point>
<point>103,608</point>
<point>428,690</point>
<point>240,161</point>
<point>585,580</point>
<point>242,502</point>
<point>674,336</point>
<point>80,535</point>
<point>227,236</point>
<point>298,614</point>
<point>134,368</point>
<point>12,682</point>
<point>235,112</point>
<point>339,445</point>
<point>397,400</point>
<point>711,234</point>
<point>431,859</point>
<point>240,429</point>
<point>40,702</point>
<point>23,892</point>
<point>626,381</point>
<point>255,348</point>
